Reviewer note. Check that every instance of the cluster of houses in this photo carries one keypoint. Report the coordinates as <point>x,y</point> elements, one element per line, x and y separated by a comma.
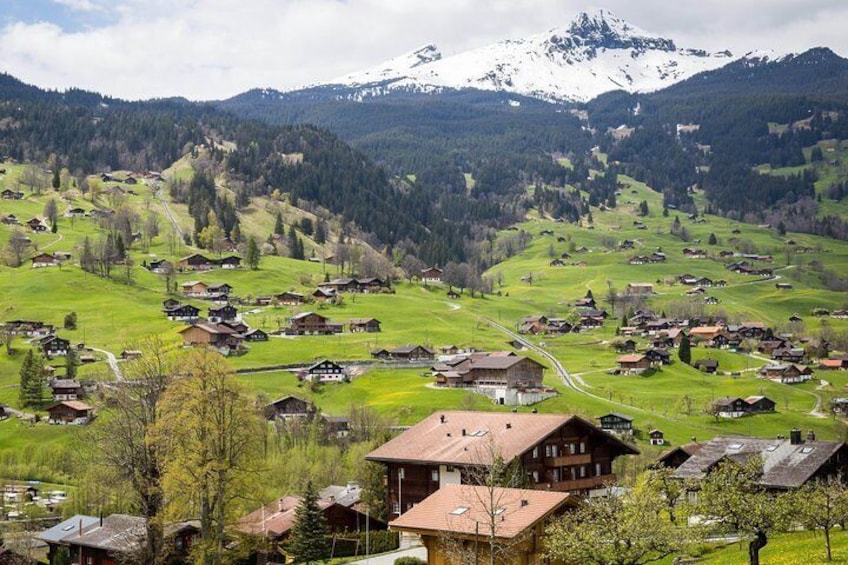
<point>735,407</point>
<point>199,262</point>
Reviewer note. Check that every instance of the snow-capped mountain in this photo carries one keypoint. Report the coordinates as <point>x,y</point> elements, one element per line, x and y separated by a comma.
<point>596,53</point>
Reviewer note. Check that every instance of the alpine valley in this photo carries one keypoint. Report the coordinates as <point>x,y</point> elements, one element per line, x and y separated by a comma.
<point>653,238</point>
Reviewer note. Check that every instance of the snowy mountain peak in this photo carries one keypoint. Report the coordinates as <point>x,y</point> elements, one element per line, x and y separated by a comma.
<point>595,53</point>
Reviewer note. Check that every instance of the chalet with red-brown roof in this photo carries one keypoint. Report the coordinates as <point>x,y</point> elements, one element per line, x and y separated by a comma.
<point>633,363</point>
<point>432,275</point>
<point>366,325</point>
<point>223,338</point>
<point>70,412</point>
<point>558,452</point>
<point>464,514</point>
<point>786,374</point>
<point>311,323</point>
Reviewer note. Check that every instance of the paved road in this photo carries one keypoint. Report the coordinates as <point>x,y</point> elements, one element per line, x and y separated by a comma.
<point>113,363</point>
<point>158,192</point>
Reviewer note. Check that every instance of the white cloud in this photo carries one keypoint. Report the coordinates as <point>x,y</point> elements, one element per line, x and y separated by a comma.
<point>206,49</point>
<point>81,5</point>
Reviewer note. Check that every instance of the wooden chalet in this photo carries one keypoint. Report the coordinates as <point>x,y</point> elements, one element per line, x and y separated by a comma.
<point>432,275</point>
<point>117,538</point>
<point>787,463</point>
<point>160,266</point>
<point>366,325</point>
<point>70,412</point>
<point>706,365</point>
<point>226,313</point>
<point>9,194</point>
<point>37,225</point>
<point>196,262</point>
<point>289,407</point>
<point>45,260</point>
<point>65,389</point>
<point>616,423</point>
<point>633,363</point>
<point>29,328</point>
<point>324,294</point>
<point>230,262</point>
<point>639,289</point>
<point>675,457</point>
<point>412,353</point>
<point>730,407</point>
<point>656,437</point>
<point>558,452</point>
<point>255,334</point>
<point>492,371</point>
<point>54,346</point>
<point>760,404</point>
<point>311,323</point>
<point>787,374</point>
<point>196,289</point>
<point>325,371</point>
<point>459,513</point>
<point>209,334</point>
<point>181,312</point>
<point>289,298</point>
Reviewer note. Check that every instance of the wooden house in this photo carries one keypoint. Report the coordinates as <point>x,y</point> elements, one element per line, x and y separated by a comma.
<point>640,289</point>
<point>633,363</point>
<point>787,374</point>
<point>160,266</point>
<point>656,437</point>
<point>226,313</point>
<point>196,262</point>
<point>730,407</point>
<point>325,371</point>
<point>54,346</point>
<point>675,457</point>
<point>197,289</point>
<point>214,335</point>
<point>9,194</point>
<point>367,325</point>
<point>70,412</point>
<point>65,389</point>
<point>412,353</point>
<point>181,312</point>
<point>311,323</point>
<point>616,423</point>
<point>45,260</point>
<point>289,298</point>
<point>706,365</point>
<point>432,275</point>
<point>289,407</point>
<point>230,262</point>
<point>760,404</point>
<point>459,514</point>
<point>255,334</point>
<point>557,452</point>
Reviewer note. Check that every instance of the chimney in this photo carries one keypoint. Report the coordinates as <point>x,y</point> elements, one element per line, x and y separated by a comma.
<point>101,517</point>
<point>524,502</point>
<point>811,435</point>
<point>508,426</point>
<point>795,437</point>
<point>79,531</point>
<point>463,431</point>
<point>442,418</point>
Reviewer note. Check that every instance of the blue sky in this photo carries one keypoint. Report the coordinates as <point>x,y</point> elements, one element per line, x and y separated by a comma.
<point>211,49</point>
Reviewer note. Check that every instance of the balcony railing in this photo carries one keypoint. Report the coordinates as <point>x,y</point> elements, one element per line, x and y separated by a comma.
<point>586,483</point>
<point>568,459</point>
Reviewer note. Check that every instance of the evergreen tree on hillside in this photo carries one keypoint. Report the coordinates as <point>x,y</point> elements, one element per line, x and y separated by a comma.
<point>320,233</point>
<point>684,350</point>
<point>252,254</point>
<point>71,363</point>
<point>279,228</point>
<point>32,379</point>
<point>308,542</point>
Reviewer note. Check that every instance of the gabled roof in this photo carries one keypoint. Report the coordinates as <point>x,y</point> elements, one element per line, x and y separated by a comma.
<point>500,362</point>
<point>460,509</point>
<point>435,441</point>
<point>64,383</point>
<point>633,358</point>
<point>210,328</point>
<point>784,465</point>
<point>618,415</point>
<point>73,404</point>
<point>69,528</point>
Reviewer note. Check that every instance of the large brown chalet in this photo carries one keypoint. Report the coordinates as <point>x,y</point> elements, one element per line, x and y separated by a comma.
<point>558,452</point>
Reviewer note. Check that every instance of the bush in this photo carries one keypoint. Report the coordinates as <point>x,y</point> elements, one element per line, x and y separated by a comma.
<point>409,561</point>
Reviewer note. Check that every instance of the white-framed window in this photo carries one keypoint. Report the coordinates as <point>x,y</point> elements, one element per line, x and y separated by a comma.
<point>535,452</point>
<point>434,475</point>
<point>555,475</point>
<point>598,470</point>
<point>535,476</point>
<point>449,469</point>
<point>582,471</point>
<point>582,447</point>
<point>396,508</point>
<point>572,448</point>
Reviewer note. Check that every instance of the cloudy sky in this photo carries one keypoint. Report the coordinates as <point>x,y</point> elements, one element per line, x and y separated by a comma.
<point>213,49</point>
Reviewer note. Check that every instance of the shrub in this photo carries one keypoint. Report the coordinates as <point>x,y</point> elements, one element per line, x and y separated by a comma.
<point>409,560</point>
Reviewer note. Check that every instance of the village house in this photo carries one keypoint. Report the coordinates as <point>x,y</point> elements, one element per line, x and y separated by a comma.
<point>557,452</point>
<point>45,260</point>
<point>226,313</point>
<point>29,328</point>
<point>432,275</point>
<point>410,353</point>
<point>459,513</point>
<point>117,538</point>
<point>70,412</point>
<point>730,407</point>
<point>494,371</point>
<point>9,194</point>
<point>289,407</point>
<point>325,371</point>
<point>37,225</point>
<point>639,289</point>
<point>786,374</point>
<point>54,346</point>
<point>195,262</point>
<point>706,365</point>
<point>160,266</point>
<point>587,301</point>
<point>633,364</point>
<point>10,220</point>
<point>656,437</point>
<point>366,325</point>
<point>65,389</point>
<point>760,404</point>
<point>705,335</point>
<point>616,423</point>
<point>289,298</point>
<point>181,312</point>
<point>219,336</point>
<point>833,364</point>
<point>674,458</point>
<point>196,289</point>
<point>230,262</point>
<point>255,334</point>
<point>324,294</point>
<point>787,463</point>
<point>310,323</point>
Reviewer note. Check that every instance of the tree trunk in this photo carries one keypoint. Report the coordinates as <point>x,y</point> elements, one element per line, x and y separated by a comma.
<point>827,543</point>
<point>754,548</point>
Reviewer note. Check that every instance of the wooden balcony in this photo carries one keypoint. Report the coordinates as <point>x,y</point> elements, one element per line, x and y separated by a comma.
<point>568,459</point>
<point>587,483</point>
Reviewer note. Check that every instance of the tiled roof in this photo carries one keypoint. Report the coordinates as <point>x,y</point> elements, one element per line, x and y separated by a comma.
<point>468,510</point>
<point>784,465</point>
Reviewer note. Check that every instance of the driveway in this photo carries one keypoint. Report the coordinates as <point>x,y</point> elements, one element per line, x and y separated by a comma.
<point>389,558</point>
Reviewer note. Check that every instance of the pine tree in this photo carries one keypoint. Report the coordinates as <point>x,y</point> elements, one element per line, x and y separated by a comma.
<point>71,363</point>
<point>684,350</point>
<point>320,233</point>
<point>32,379</point>
<point>252,255</point>
<point>279,228</point>
<point>713,239</point>
<point>308,542</point>
<point>56,183</point>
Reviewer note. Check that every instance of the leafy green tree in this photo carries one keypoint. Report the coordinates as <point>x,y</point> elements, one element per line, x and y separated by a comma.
<point>252,255</point>
<point>308,542</point>
<point>733,500</point>
<point>70,322</point>
<point>821,506</point>
<point>631,529</point>
<point>71,363</point>
<point>684,350</point>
